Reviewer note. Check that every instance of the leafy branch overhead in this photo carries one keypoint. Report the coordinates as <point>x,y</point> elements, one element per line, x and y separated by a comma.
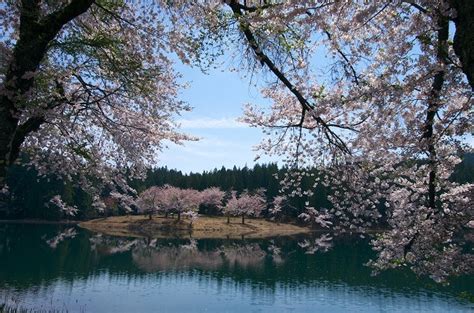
<point>378,95</point>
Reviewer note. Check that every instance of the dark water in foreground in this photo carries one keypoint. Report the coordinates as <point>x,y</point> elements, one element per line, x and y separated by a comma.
<point>91,273</point>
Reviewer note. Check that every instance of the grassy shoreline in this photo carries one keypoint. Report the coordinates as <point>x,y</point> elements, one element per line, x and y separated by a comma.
<point>203,227</point>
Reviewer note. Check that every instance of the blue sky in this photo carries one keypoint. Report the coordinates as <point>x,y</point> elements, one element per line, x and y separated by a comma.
<point>217,99</point>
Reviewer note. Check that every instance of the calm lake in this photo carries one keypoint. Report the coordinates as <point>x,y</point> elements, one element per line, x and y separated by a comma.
<point>87,272</point>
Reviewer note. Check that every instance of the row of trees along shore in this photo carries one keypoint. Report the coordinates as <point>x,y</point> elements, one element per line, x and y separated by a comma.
<point>168,199</point>
<point>33,193</point>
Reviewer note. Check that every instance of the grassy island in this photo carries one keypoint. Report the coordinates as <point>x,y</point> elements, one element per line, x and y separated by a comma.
<point>203,227</point>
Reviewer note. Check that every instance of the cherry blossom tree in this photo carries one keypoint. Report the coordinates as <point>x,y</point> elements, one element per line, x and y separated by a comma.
<point>126,203</point>
<point>246,204</point>
<point>64,208</point>
<point>212,199</point>
<point>231,208</point>
<point>169,199</point>
<point>391,121</point>
<point>379,96</point>
<point>277,206</point>
<point>156,200</point>
<point>161,200</point>
<point>320,218</point>
<point>148,201</point>
<point>172,199</point>
<point>87,87</point>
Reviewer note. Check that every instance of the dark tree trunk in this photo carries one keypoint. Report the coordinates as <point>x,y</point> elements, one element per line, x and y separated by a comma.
<point>433,106</point>
<point>179,216</point>
<point>464,36</point>
<point>36,33</point>
<point>228,219</point>
<point>243,219</point>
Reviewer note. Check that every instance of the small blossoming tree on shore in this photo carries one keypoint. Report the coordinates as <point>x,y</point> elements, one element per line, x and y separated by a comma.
<point>211,199</point>
<point>246,204</point>
<point>169,199</point>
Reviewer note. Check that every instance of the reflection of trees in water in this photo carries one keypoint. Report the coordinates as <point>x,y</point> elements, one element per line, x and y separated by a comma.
<point>322,243</point>
<point>159,257</point>
<point>105,245</point>
<point>163,255</point>
<point>168,258</point>
<point>61,236</point>
<point>28,263</point>
<point>247,255</point>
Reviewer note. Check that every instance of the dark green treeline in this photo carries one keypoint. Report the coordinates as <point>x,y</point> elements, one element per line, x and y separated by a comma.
<point>30,192</point>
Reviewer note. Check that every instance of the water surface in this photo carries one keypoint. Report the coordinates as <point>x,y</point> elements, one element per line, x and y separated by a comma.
<point>47,267</point>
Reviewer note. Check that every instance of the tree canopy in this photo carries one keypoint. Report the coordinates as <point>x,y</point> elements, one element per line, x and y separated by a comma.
<point>377,94</point>
<point>88,87</point>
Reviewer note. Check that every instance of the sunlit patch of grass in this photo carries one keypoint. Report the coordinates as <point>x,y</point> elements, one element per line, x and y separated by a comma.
<point>203,227</point>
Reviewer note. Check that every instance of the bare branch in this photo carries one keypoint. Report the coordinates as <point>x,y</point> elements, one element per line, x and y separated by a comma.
<point>264,59</point>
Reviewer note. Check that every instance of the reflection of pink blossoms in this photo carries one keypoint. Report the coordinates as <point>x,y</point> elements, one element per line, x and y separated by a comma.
<point>68,233</point>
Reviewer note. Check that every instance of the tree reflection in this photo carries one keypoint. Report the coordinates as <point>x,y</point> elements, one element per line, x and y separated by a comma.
<point>28,263</point>
<point>61,236</point>
<point>152,255</point>
<point>322,243</point>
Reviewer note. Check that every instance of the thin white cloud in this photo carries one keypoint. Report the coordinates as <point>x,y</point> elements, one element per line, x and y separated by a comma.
<point>211,123</point>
